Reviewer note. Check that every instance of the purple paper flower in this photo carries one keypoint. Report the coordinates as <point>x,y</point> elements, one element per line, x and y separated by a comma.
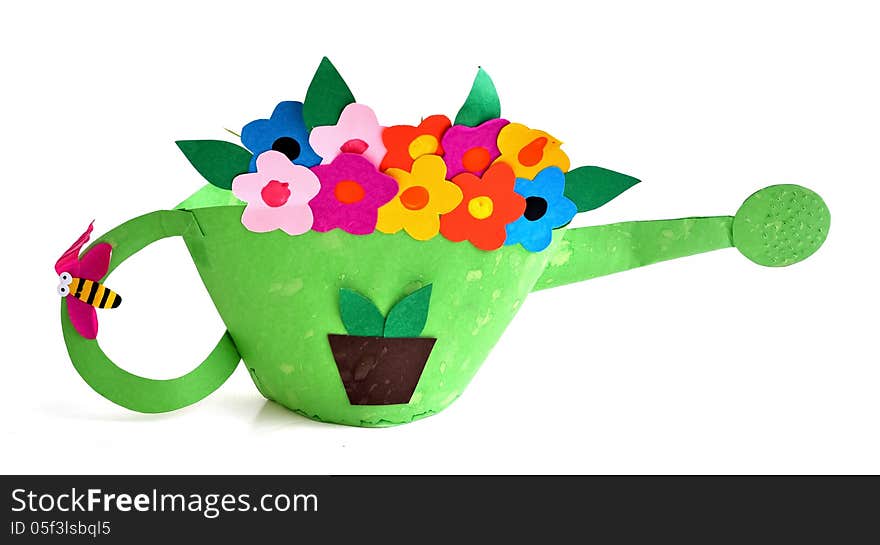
<point>352,190</point>
<point>471,149</point>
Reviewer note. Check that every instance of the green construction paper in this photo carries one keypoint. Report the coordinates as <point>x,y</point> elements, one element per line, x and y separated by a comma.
<point>124,388</point>
<point>482,103</point>
<point>217,161</point>
<point>279,297</point>
<point>209,195</point>
<point>407,318</point>
<point>359,315</point>
<point>327,96</point>
<point>591,187</point>
<point>588,252</point>
<point>781,225</point>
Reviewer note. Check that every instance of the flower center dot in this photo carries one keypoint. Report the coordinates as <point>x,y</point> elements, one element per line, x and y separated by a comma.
<point>481,207</point>
<point>349,192</point>
<point>536,207</point>
<point>355,145</point>
<point>275,193</point>
<point>414,198</point>
<point>288,146</point>
<point>476,159</point>
<point>425,144</point>
<point>532,153</point>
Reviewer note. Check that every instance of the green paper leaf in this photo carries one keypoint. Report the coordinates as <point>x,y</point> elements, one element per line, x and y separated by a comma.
<point>217,161</point>
<point>407,318</point>
<point>482,103</point>
<point>327,96</point>
<point>359,315</point>
<point>592,187</point>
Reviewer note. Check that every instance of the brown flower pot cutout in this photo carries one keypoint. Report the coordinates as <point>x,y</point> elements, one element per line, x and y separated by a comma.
<point>381,360</point>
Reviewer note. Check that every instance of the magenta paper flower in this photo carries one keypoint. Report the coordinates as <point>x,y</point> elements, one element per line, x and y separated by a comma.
<point>471,149</point>
<point>278,195</point>
<point>352,190</point>
<point>357,131</point>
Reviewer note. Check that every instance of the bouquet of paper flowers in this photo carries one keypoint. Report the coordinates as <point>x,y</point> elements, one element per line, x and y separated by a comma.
<point>329,164</point>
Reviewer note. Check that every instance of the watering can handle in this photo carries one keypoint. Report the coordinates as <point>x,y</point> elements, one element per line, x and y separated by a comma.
<point>118,385</point>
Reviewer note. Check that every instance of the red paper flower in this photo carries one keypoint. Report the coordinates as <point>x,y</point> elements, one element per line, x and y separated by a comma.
<point>488,205</point>
<point>405,143</point>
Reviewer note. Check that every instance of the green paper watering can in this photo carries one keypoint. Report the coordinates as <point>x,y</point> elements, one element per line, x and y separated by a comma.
<point>283,298</point>
<point>278,315</point>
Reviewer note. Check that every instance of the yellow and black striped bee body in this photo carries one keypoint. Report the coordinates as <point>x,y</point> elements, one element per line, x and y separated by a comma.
<point>90,292</point>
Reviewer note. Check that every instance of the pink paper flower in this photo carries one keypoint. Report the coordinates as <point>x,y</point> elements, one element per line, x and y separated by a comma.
<point>278,195</point>
<point>471,149</point>
<point>357,131</point>
<point>352,190</point>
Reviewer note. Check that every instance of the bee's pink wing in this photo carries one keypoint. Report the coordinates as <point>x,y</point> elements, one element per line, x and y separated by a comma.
<point>94,264</point>
<point>83,317</point>
<point>68,262</point>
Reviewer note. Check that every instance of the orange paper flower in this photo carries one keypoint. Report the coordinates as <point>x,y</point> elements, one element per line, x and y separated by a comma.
<point>488,205</point>
<point>405,143</point>
<point>529,151</point>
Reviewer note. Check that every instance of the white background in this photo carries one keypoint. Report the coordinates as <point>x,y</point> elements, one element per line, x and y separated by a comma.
<point>705,364</point>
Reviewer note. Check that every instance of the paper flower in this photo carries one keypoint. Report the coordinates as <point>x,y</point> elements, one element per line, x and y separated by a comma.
<point>529,151</point>
<point>352,190</point>
<point>422,196</point>
<point>487,206</point>
<point>546,209</point>
<point>406,143</point>
<point>471,149</point>
<point>356,132</point>
<point>277,195</point>
<point>285,131</point>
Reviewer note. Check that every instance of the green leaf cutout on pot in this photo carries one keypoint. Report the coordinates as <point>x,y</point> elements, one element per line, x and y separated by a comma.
<point>326,97</point>
<point>592,187</point>
<point>218,161</point>
<point>359,315</point>
<point>405,319</point>
<point>482,103</point>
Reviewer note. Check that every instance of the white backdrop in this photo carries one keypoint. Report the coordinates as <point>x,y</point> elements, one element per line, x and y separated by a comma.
<point>706,364</point>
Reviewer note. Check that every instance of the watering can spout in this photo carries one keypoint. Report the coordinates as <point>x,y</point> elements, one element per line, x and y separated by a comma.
<point>777,226</point>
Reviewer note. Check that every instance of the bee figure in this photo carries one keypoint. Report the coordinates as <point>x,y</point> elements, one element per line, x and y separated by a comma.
<point>79,282</point>
<point>90,292</point>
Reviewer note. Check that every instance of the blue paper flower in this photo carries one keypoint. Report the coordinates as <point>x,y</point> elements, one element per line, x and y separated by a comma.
<point>285,131</point>
<point>546,209</point>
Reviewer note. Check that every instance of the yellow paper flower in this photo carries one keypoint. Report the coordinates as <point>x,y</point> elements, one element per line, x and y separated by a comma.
<point>529,151</point>
<point>423,195</point>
